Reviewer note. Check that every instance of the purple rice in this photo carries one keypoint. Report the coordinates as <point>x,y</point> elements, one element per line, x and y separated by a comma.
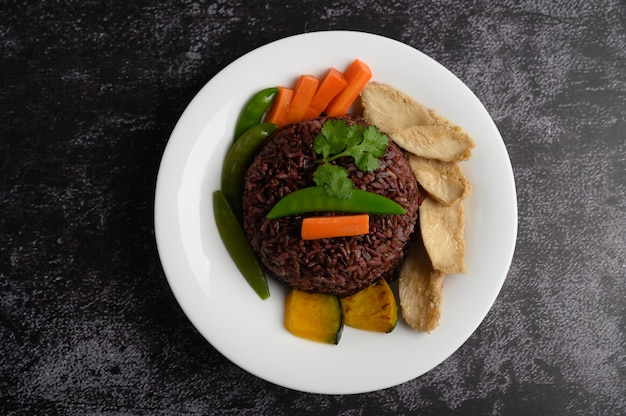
<point>340,266</point>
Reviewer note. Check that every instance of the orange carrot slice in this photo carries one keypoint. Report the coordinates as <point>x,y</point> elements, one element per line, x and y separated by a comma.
<point>277,114</point>
<point>314,228</point>
<point>331,85</point>
<point>358,75</point>
<point>303,93</point>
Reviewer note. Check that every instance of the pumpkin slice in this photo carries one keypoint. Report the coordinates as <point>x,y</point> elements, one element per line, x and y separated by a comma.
<point>314,316</point>
<point>373,308</point>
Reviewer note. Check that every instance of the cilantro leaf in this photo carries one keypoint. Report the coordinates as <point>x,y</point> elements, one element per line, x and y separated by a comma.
<point>335,140</point>
<point>376,141</point>
<point>354,136</point>
<point>372,147</point>
<point>331,139</point>
<point>366,162</point>
<point>334,179</point>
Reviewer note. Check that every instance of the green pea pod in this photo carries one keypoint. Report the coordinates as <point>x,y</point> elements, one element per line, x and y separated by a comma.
<point>254,109</point>
<point>315,199</point>
<point>238,246</point>
<point>237,161</point>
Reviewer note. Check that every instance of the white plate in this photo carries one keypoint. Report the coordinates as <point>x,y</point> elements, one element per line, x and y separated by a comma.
<point>249,331</point>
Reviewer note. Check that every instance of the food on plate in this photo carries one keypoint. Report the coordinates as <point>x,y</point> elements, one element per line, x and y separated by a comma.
<point>277,113</point>
<point>237,161</point>
<point>316,199</point>
<point>435,141</point>
<point>420,290</point>
<point>442,230</point>
<point>414,128</point>
<point>332,84</point>
<point>434,147</point>
<point>315,228</point>
<point>333,97</point>
<point>391,110</point>
<point>238,246</point>
<point>372,309</point>
<point>314,316</point>
<point>357,76</point>
<point>303,93</point>
<point>254,110</point>
<point>337,140</point>
<point>444,181</point>
<point>327,203</point>
<point>285,163</point>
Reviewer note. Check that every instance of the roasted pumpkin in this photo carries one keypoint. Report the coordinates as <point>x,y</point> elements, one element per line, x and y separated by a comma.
<point>314,316</point>
<point>373,308</point>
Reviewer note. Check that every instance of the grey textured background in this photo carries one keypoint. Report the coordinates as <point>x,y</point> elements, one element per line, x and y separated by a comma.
<point>90,93</point>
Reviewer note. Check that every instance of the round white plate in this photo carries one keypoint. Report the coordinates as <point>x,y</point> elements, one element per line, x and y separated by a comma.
<point>217,299</point>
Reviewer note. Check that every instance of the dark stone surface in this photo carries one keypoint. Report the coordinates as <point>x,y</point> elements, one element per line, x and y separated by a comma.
<point>90,93</point>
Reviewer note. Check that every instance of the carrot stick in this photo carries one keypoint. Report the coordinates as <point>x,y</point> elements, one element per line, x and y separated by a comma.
<point>358,75</point>
<point>331,85</point>
<point>277,114</point>
<point>303,93</point>
<point>314,228</point>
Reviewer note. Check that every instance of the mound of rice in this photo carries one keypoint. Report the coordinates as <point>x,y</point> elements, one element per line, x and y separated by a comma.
<point>340,266</point>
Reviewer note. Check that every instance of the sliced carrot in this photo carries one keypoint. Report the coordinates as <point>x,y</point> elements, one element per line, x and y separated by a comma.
<point>358,75</point>
<point>303,93</point>
<point>331,85</point>
<point>277,114</point>
<point>314,228</point>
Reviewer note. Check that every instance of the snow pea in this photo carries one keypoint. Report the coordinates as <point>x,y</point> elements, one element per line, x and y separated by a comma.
<point>315,199</point>
<point>237,161</point>
<point>254,109</point>
<point>238,246</point>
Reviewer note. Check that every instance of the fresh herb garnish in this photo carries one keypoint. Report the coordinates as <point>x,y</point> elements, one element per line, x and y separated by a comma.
<point>335,140</point>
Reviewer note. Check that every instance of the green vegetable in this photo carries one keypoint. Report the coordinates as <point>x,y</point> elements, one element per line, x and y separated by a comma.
<point>335,140</point>
<point>254,109</point>
<point>238,246</point>
<point>315,199</point>
<point>237,161</point>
